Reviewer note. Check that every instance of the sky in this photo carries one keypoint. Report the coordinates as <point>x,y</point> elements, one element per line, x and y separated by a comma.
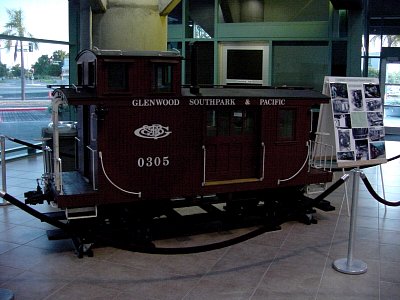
<point>44,19</point>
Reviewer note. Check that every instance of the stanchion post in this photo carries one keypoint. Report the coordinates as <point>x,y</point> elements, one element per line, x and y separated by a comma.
<point>3,166</point>
<point>349,265</point>
<point>383,186</point>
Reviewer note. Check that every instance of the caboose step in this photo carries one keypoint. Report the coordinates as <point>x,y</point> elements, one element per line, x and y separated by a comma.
<point>81,212</point>
<point>231,181</point>
<point>57,215</point>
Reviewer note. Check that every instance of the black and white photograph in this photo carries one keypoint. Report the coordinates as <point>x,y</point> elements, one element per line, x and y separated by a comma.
<point>372,91</point>
<point>339,90</point>
<point>375,118</point>
<point>340,106</point>
<point>360,133</point>
<point>376,134</point>
<point>374,104</point>
<point>344,140</point>
<point>362,149</point>
<point>356,100</point>
<point>342,121</point>
<point>345,155</point>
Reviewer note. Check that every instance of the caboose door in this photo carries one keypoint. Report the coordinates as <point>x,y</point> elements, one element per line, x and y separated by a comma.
<point>232,145</point>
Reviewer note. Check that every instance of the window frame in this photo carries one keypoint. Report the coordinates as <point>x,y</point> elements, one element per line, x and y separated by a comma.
<point>287,137</point>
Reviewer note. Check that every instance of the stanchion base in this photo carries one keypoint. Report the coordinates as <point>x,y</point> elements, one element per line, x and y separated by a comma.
<point>355,268</point>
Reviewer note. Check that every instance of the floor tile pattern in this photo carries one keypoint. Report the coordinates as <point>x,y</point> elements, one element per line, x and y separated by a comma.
<point>292,263</point>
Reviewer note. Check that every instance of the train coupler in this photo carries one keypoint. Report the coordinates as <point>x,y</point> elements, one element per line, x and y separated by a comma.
<point>37,196</point>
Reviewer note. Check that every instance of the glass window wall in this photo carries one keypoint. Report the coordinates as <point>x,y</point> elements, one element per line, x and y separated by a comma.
<point>300,64</point>
<point>200,19</point>
<point>382,61</point>
<point>34,53</point>
<point>175,16</point>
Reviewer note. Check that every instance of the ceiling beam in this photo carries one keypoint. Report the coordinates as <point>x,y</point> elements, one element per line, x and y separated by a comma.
<point>166,6</point>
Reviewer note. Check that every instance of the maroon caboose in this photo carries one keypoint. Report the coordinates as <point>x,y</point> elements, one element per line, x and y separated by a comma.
<point>142,137</point>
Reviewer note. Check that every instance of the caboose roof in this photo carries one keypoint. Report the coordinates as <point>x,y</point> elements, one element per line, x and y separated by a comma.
<point>126,53</point>
<point>259,92</point>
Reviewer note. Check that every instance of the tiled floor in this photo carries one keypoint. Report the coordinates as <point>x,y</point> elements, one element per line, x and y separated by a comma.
<point>293,263</point>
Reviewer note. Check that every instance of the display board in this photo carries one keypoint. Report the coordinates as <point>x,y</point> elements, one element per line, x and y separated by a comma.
<point>354,120</point>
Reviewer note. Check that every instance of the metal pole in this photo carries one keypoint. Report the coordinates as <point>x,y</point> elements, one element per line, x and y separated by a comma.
<point>383,186</point>
<point>346,195</point>
<point>349,265</point>
<point>3,167</point>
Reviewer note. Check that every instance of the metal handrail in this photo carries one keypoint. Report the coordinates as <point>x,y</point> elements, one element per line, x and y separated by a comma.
<point>204,164</point>
<point>3,166</point>
<point>25,152</point>
<point>263,161</point>
<point>4,159</point>
<point>93,157</point>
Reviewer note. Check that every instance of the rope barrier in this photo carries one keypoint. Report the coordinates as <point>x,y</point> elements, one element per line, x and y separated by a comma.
<point>329,190</point>
<point>30,145</point>
<point>35,213</point>
<point>24,143</point>
<point>393,158</point>
<point>188,250</point>
<point>374,194</point>
<point>137,248</point>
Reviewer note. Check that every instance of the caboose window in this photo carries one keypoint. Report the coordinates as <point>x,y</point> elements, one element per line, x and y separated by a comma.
<point>92,74</point>
<point>230,122</point>
<point>117,76</point>
<point>80,74</point>
<point>162,79</point>
<point>286,122</point>
<point>211,123</point>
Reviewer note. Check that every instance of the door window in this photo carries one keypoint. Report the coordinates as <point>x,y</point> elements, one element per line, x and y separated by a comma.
<point>230,123</point>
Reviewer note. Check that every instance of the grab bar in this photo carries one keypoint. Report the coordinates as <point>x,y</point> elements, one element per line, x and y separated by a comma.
<point>93,167</point>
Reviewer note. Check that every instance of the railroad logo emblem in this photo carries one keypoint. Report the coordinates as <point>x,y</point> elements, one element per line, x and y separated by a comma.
<point>155,131</point>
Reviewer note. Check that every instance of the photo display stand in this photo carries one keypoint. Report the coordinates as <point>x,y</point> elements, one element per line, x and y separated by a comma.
<point>354,120</point>
<point>353,123</point>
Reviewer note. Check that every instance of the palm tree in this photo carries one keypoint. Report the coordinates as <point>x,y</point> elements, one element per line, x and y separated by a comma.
<point>392,40</point>
<point>15,27</point>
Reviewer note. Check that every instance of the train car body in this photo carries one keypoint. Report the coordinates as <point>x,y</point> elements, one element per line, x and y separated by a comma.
<point>143,137</point>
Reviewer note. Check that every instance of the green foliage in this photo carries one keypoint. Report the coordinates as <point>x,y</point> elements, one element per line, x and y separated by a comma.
<point>50,66</point>
<point>15,71</point>
<point>59,55</point>
<point>3,70</point>
<point>373,72</point>
<point>42,65</point>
